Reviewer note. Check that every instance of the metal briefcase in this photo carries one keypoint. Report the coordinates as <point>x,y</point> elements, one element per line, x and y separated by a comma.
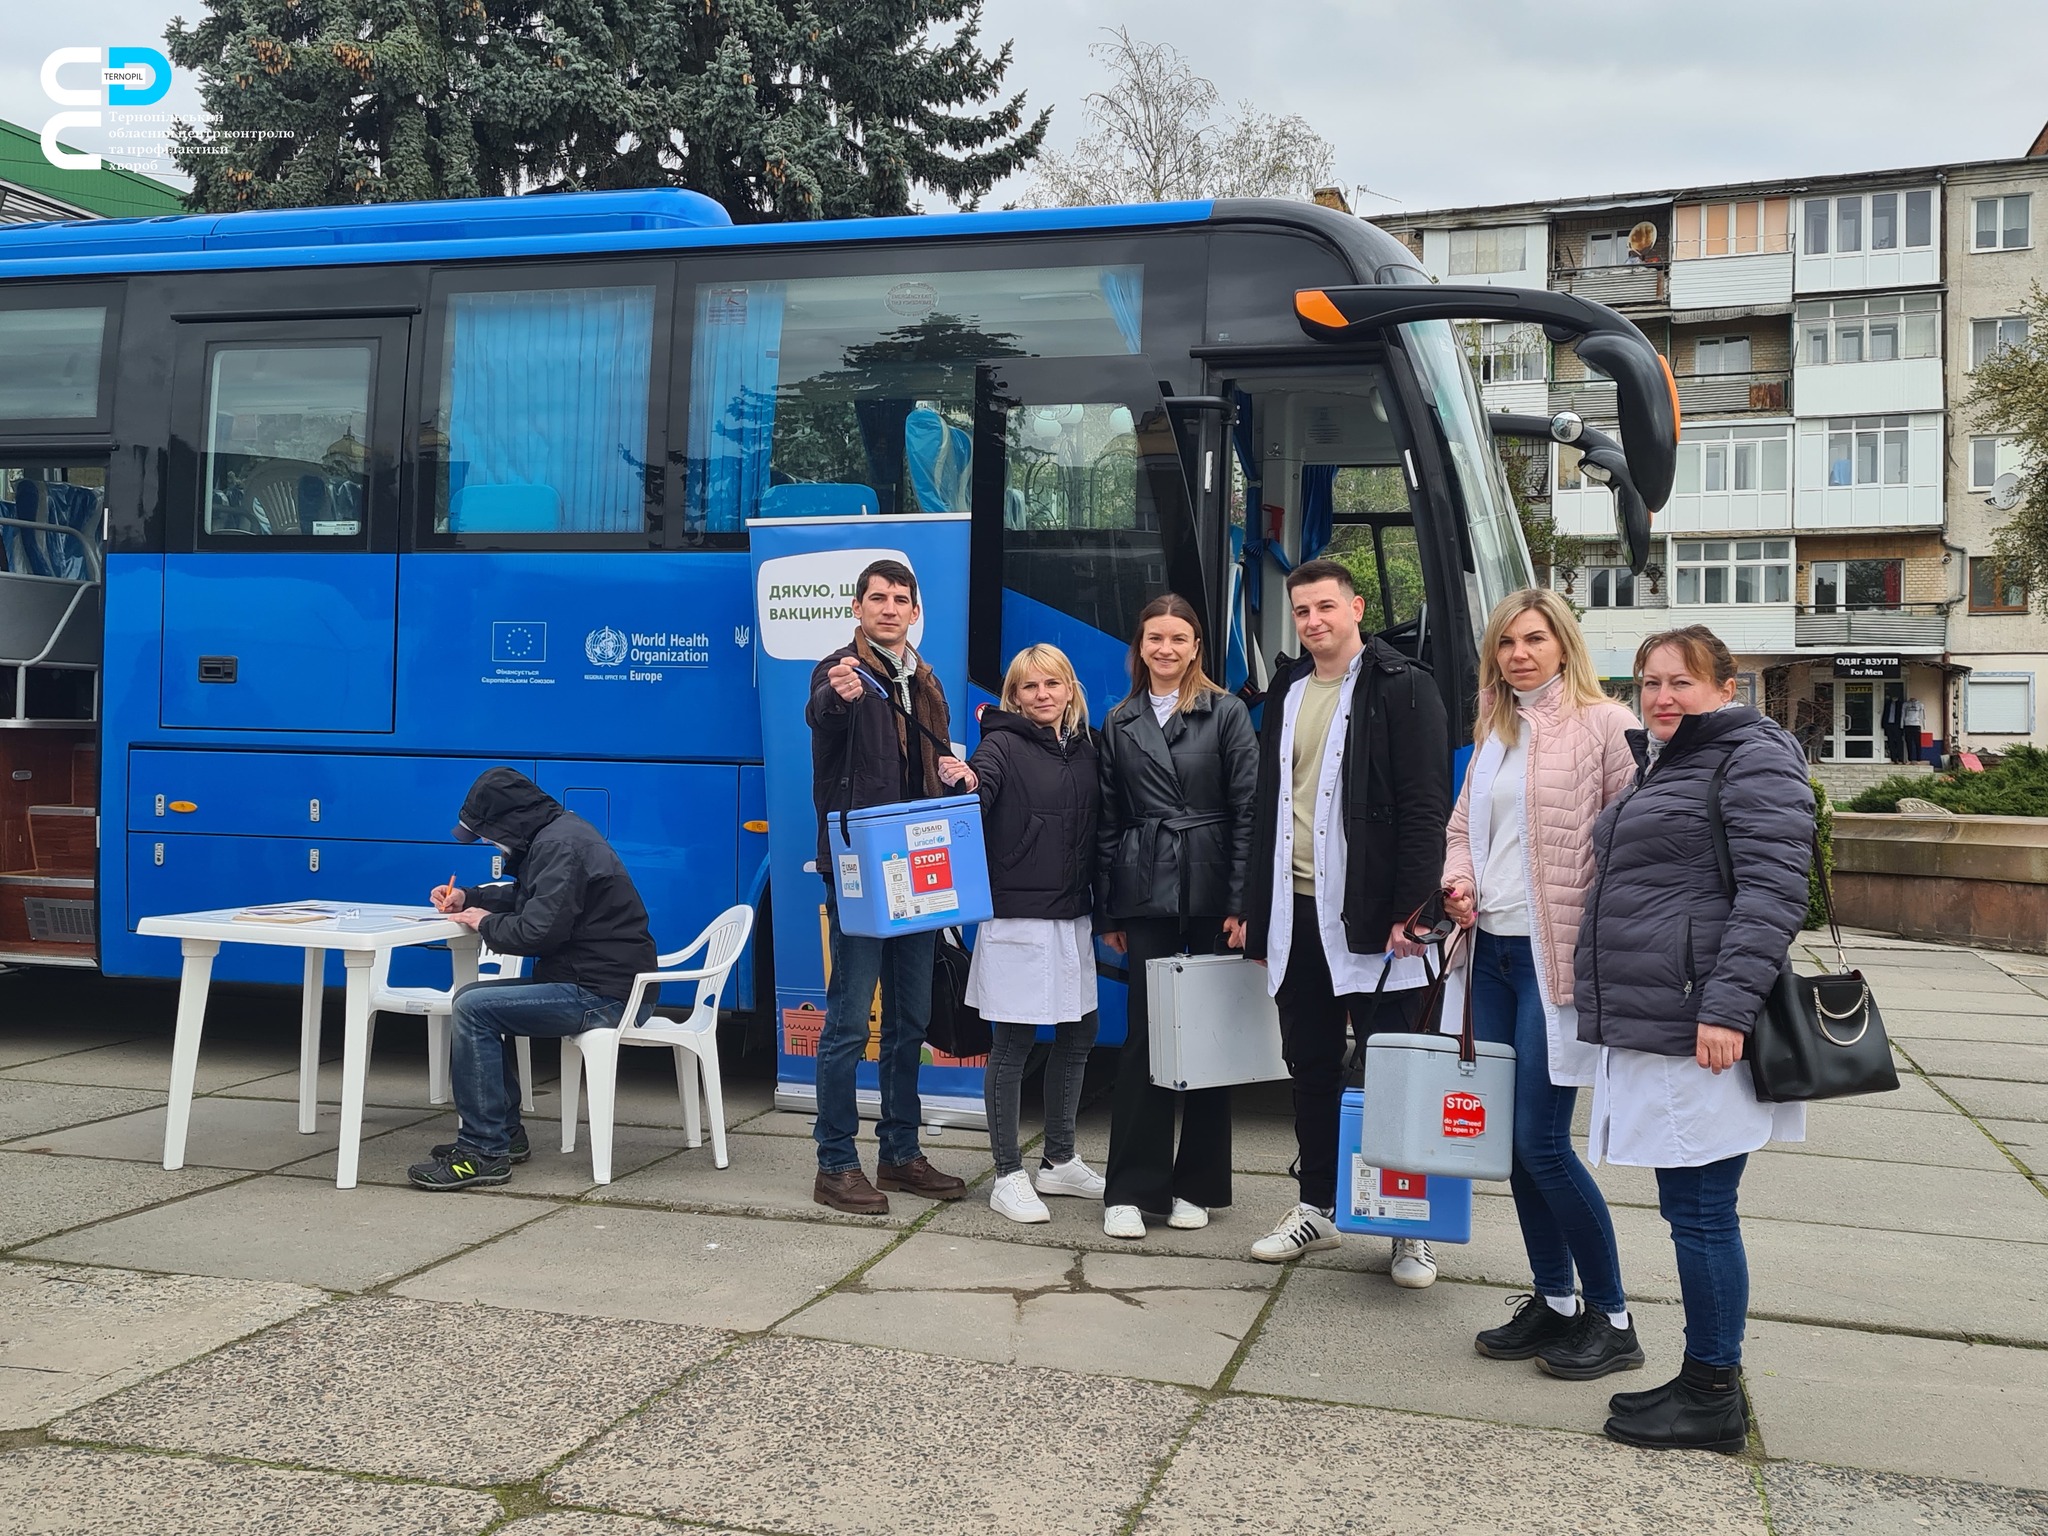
<point>1440,1104</point>
<point>1211,1023</point>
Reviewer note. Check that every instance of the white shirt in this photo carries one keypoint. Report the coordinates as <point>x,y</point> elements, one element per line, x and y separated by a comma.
<point>1504,882</point>
<point>1348,972</point>
<point>1162,705</point>
<point>1653,1111</point>
<point>1033,970</point>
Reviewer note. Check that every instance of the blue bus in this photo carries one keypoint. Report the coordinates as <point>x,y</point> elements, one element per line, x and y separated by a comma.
<point>308,516</point>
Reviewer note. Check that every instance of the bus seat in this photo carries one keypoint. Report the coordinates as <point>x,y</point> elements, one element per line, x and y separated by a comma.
<point>941,460</point>
<point>819,499</point>
<point>505,509</point>
<point>42,501</point>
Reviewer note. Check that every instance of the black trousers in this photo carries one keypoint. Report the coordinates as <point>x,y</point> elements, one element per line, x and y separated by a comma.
<point>1313,1040</point>
<point>1144,1169</point>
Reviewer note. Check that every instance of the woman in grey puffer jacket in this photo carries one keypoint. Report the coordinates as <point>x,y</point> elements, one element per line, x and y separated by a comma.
<point>1671,973</point>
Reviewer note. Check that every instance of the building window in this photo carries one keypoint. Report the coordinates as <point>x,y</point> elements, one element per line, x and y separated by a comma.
<point>1568,476</point>
<point>1477,251</point>
<point>1715,459</point>
<point>1749,228</point>
<point>1616,248</point>
<point>1868,450</point>
<point>1848,224</point>
<point>1993,589</point>
<point>1999,704</point>
<point>1512,354</point>
<point>1721,354</point>
<point>1879,330</point>
<point>1611,586</point>
<point>1991,457</point>
<point>1732,571</point>
<point>1989,336</point>
<point>1854,584</point>
<point>2003,223</point>
<point>1892,221</point>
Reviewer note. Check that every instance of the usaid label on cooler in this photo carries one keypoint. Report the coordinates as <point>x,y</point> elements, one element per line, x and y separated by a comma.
<point>1464,1115</point>
<point>805,602</point>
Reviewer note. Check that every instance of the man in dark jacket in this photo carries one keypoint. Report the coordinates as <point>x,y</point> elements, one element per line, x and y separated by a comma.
<point>865,751</point>
<point>1348,839</point>
<point>573,907</point>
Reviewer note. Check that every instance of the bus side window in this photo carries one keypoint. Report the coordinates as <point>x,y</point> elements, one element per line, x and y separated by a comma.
<point>543,410</point>
<point>1374,536</point>
<point>55,357</point>
<point>287,441</point>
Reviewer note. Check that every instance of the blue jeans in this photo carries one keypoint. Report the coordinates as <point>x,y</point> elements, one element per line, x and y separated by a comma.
<point>1564,1218</point>
<point>903,965</point>
<point>1713,1270</point>
<point>483,1074</point>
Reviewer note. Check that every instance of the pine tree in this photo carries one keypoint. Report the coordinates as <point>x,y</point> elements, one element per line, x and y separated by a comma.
<point>778,109</point>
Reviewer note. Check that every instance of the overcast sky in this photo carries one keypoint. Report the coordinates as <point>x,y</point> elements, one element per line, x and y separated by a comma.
<point>1436,103</point>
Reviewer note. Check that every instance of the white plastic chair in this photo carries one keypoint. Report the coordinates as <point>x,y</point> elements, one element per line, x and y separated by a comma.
<point>436,1004</point>
<point>694,1041</point>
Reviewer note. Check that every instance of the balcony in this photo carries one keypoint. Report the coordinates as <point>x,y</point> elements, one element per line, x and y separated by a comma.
<point>1902,626</point>
<point>1714,394</point>
<point>1592,399</point>
<point>1635,283</point>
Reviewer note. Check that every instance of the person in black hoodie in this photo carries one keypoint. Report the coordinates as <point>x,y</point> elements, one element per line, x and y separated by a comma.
<point>572,906</point>
<point>1034,961</point>
<point>1179,759</point>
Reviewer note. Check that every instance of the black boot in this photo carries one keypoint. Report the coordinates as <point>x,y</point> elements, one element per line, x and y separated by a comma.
<point>1703,1410</point>
<point>1624,1403</point>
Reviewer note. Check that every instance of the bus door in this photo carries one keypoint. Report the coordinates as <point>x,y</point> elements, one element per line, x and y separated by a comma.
<point>280,566</point>
<point>1081,516</point>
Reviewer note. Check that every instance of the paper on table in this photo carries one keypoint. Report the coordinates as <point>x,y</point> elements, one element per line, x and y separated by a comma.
<point>292,912</point>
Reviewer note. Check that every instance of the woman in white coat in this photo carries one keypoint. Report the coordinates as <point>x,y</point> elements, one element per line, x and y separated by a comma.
<point>1552,752</point>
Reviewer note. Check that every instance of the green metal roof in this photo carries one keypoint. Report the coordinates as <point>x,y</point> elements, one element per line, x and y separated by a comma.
<point>108,191</point>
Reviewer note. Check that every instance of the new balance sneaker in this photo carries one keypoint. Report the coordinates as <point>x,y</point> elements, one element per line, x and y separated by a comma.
<point>1187,1216</point>
<point>1593,1348</point>
<point>460,1168</point>
<point>521,1148</point>
<point>1073,1177</point>
<point>1414,1267</point>
<point>1013,1196</point>
<point>1535,1323</point>
<point>1303,1229</point>
<point>1125,1221</point>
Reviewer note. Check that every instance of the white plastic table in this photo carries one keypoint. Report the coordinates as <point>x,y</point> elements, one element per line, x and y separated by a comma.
<point>361,933</point>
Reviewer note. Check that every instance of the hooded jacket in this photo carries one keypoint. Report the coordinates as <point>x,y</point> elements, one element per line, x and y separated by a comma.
<point>1039,804</point>
<point>571,904</point>
<point>1662,948</point>
<point>1397,797</point>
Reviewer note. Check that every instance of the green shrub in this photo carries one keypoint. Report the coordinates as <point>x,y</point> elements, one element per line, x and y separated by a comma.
<point>2016,785</point>
<point>1824,815</point>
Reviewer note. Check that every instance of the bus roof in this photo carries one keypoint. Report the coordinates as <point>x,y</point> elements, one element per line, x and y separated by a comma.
<point>557,224</point>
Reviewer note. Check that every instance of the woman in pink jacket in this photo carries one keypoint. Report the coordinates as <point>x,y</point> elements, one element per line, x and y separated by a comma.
<point>1550,751</point>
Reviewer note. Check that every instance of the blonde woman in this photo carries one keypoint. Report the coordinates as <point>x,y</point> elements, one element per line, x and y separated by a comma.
<point>1179,764</point>
<point>1550,753</point>
<point>1034,961</point>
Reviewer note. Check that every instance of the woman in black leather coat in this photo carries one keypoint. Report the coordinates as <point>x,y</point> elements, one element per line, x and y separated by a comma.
<point>1179,762</point>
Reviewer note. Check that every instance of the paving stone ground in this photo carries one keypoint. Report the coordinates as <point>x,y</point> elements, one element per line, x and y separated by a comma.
<point>238,1347</point>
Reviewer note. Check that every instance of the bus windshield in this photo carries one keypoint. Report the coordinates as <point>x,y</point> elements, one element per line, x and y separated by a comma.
<point>1500,558</point>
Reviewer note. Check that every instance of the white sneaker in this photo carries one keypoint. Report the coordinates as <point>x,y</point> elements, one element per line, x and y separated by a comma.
<point>1125,1221</point>
<point>1073,1177</point>
<point>1187,1217</point>
<point>1014,1197</point>
<point>1303,1229</point>
<point>1414,1265</point>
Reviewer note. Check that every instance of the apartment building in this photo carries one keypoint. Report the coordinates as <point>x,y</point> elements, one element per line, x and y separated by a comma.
<point>1830,509</point>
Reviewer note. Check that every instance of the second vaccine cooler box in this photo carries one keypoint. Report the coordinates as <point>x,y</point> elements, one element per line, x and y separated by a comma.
<point>909,868</point>
<point>1388,1203</point>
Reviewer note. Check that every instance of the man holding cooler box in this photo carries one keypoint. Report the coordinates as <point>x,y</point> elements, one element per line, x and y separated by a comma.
<point>1354,793</point>
<point>864,751</point>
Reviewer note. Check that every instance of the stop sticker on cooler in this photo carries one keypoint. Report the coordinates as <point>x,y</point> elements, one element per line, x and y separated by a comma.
<point>1464,1115</point>
<point>931,869</point>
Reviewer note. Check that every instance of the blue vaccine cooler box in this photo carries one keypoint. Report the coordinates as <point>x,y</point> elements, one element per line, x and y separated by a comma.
<point>1389,1203</point>
<point>910,868</point>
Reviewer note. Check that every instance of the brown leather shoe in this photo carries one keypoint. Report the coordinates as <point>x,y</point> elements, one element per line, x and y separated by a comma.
<point>848,1190</point>
<point>919,1177</point>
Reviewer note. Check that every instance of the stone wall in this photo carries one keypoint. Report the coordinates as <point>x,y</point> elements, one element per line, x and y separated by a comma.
<point>1979,880</point>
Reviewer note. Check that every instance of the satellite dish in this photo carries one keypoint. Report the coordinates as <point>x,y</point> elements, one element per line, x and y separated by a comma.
<point>2005,492</point>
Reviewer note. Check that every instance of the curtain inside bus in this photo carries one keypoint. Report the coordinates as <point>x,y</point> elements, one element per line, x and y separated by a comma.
<point>1318,507</point>
<point>733,364</point>
<point>547,393</point>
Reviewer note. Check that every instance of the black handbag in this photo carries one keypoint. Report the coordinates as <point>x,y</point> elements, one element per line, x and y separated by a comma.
<point>1817,1037</point>
<point>955,1029</point>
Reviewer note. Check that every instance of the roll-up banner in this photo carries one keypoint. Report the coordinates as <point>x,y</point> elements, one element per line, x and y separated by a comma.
<point>804,571</point>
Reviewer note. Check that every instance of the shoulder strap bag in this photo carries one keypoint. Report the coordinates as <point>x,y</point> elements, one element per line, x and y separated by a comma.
<point>1817,1037</point>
